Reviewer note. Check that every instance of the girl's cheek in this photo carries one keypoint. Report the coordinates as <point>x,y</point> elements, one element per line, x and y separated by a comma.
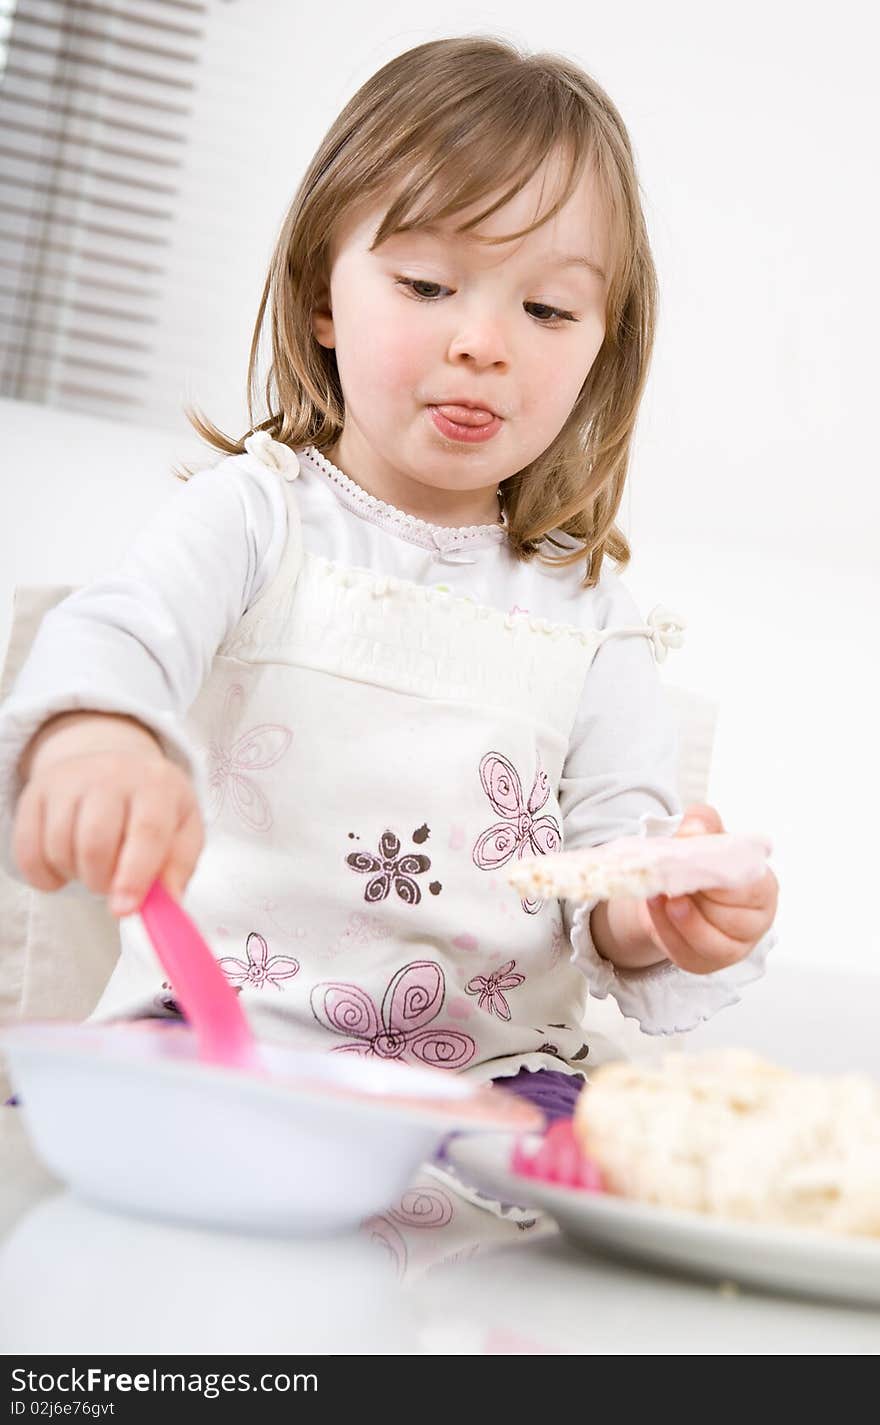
<point>404,359</point>
<point>374,358</point>
<point>388,370</point>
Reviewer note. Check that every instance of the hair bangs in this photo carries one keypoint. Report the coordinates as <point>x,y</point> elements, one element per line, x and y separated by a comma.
<point>497,169</point>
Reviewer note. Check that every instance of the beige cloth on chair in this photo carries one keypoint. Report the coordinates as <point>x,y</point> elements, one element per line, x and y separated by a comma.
<point>57,950</point>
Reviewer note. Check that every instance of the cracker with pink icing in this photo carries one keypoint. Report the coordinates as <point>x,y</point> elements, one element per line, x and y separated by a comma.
<point>644,866</point>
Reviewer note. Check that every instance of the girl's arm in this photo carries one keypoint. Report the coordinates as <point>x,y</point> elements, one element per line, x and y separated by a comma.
<point>139,641</point>
<point>621,779</point>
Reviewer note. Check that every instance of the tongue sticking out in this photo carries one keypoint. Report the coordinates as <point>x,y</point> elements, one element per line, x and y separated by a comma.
<point>466,415</point>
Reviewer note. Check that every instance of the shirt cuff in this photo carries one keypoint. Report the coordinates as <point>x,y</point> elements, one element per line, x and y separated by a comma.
<point>21,718</point>
<point>663,998</point>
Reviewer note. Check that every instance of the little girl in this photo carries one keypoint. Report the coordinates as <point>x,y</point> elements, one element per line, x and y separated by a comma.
<point>349,673</point>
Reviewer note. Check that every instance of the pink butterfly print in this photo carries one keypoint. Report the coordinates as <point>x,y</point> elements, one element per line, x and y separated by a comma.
<point>491,989</point>
<point>391,1239</point>
<point>259,968</point>
<point>423,1207</point>
<point>522,832</point>
<point>557,943</point>
<point>231,759</point>
<point>419,1207</point>
<point>359,931</point>
<point>390,868</point>
<point>412,1000</point>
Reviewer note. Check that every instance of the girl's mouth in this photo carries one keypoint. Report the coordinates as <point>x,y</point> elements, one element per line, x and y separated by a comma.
<point>465,423</point>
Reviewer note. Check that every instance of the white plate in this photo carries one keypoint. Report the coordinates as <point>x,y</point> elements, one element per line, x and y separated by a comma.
<point>777,1259</point>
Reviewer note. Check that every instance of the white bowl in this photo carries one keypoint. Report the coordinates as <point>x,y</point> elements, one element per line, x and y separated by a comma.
<point>130,1118</point>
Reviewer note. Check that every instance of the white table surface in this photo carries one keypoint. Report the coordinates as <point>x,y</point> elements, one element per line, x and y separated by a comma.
<point>78,1279</point>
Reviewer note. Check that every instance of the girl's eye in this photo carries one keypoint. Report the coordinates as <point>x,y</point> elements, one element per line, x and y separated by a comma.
<point>413,282</point>
<point>556,314</point>
<point>544,315</point>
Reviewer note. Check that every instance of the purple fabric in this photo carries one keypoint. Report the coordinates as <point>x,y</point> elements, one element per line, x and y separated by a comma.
<point>554,1092</point>
<point>550,1090</point>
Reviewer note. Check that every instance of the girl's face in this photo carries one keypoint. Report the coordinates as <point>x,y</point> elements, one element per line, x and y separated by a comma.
<point>432,318</point>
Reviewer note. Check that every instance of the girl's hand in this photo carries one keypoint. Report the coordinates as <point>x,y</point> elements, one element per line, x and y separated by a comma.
<point>710,930</point>
<point>102,804</point>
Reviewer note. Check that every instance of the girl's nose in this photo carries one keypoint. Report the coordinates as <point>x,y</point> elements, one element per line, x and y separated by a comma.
<point>483,341</point>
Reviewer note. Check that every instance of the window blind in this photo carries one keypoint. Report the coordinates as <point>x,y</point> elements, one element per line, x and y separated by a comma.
<point>95,107</point>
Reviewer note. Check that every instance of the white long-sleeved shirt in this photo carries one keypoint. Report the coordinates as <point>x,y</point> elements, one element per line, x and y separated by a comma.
<point>141,641</point>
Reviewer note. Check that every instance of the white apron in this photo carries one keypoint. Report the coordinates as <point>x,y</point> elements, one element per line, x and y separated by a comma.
<point>377,754</point>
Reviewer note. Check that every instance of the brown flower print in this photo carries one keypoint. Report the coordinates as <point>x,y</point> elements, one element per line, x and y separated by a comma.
<point>389,869</point>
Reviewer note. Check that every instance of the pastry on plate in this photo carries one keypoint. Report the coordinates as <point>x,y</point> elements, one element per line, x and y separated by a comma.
<point>732,1135</point>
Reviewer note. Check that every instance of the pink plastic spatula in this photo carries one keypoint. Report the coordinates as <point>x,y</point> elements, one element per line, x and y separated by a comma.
<point>222,1032</point>
<point>559,1159</point>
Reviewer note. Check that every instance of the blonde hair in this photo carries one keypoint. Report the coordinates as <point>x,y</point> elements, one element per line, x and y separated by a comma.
<point>444,126</point>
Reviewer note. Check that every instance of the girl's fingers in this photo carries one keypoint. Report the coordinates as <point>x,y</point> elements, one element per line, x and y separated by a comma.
<point>692,943</point>
<point>99,830</point>
<point>188,843</point>
<point>757,895</point>
<point>700,819</point>
<point>59,822</point>
<point>107,825</point>
<point>27,842</point>
<point>144,852</point>
<point>744,920</point>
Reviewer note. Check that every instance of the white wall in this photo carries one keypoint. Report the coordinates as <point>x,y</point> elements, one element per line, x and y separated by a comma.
<point>753,506</point>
